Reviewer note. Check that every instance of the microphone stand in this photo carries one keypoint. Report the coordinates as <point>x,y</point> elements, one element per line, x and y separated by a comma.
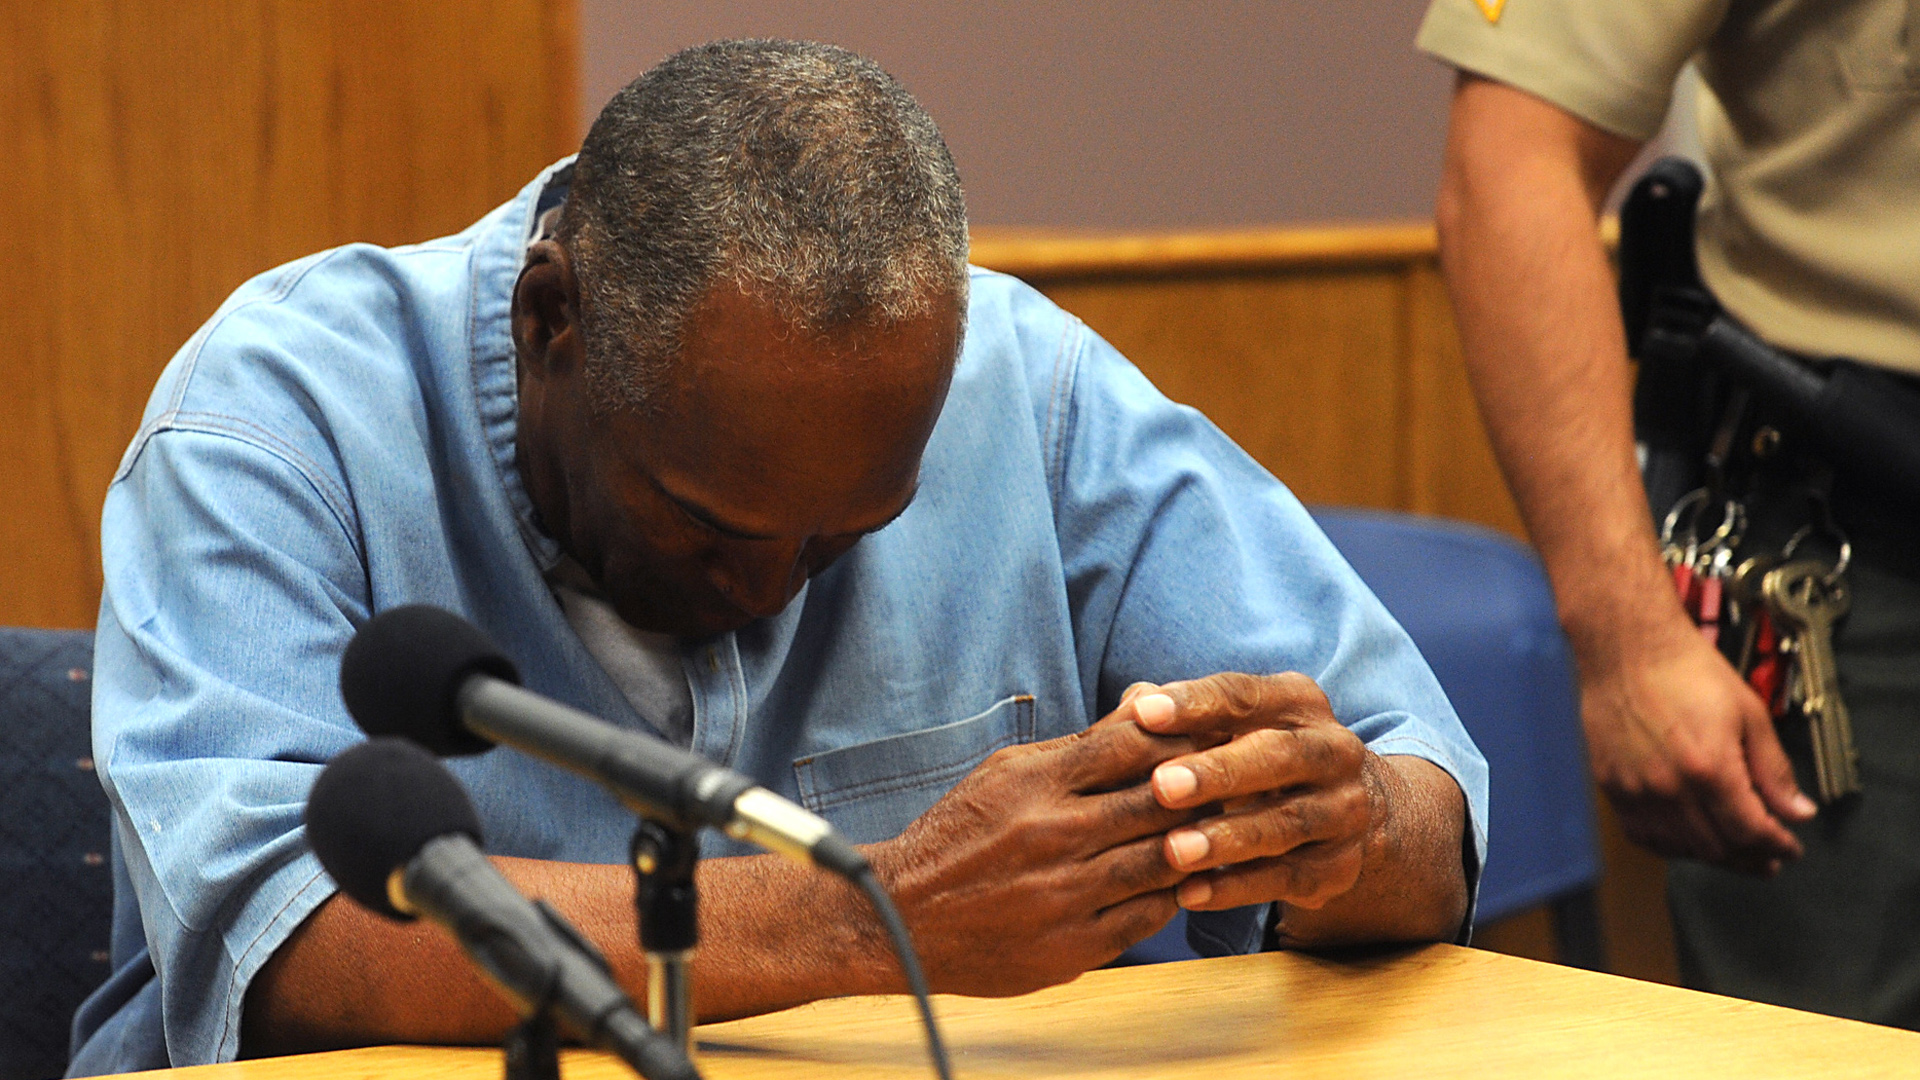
<point>663,862</point>
<point>533,1047</point>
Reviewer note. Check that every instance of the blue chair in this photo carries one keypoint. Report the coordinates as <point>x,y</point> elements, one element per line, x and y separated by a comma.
<point>1479,607</point>
<point>56,887</point>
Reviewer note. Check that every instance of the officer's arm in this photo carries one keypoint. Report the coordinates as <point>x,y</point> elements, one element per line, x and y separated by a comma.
<point>1519,202</point>
<point>1675,738</point>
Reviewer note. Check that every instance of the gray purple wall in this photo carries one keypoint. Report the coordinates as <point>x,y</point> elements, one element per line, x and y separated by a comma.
<point>1122,115</point>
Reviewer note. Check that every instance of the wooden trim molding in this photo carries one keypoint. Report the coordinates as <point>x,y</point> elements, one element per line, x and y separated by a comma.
<point>1046,255</point>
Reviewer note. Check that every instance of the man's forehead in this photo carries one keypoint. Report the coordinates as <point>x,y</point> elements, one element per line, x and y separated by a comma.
<point>734,344</point>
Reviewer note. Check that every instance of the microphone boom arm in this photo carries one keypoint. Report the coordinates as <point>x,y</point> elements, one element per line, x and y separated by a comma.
<point>658,781</point>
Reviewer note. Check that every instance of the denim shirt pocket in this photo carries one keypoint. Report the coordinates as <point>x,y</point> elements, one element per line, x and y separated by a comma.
<point>873,790</point>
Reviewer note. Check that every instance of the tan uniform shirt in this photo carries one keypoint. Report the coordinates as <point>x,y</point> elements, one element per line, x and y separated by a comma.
<point>1809,120</point>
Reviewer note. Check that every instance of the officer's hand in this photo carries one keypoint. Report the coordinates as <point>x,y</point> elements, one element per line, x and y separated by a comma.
<point>1288,793</point>
<point>1042,863</point>
<point>1687,753</point>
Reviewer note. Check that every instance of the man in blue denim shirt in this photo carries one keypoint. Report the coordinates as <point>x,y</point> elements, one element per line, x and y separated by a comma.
<point>716,416</point>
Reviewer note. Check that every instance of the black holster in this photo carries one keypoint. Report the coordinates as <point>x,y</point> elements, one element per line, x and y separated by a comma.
<point>1693,356</point>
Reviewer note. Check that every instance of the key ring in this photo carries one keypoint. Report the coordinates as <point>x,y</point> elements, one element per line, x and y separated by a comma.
<point>1840,563</point>
<point>1691,501</point>
<point>1733,526</point>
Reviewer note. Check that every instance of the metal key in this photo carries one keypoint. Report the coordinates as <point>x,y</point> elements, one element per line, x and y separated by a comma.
<point>1807,603</point>
<point>1743,588</point>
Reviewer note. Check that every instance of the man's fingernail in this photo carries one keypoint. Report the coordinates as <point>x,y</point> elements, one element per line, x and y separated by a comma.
<point>1803,806</point>
<point>1193,892</point>
<point>1139,687</point>
<point>1189,847</point>
<point>1175,782</point>
<point>1154,710</point>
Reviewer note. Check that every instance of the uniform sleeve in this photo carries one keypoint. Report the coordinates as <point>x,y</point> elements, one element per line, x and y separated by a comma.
<point>1185,558</point>
<point>1612,63</point>
<point>232,585</point>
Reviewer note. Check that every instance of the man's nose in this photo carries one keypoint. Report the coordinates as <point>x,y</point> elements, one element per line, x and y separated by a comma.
<point>762,578</point>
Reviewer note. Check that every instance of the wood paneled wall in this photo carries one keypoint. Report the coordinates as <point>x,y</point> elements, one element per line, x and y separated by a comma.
<point>155,154</point>
<point>1330,354</point>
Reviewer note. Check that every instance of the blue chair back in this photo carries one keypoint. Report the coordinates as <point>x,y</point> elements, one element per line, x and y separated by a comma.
<point>1479,607</point>
<point>56,887</point>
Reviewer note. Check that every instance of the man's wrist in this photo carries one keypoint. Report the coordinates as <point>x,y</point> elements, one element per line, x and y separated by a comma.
<point>1412,884</point>
<point>874,966</point>
<point>1426,810</point>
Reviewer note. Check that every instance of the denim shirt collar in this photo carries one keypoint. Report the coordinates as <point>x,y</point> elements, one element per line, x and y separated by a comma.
<point>499,254</point>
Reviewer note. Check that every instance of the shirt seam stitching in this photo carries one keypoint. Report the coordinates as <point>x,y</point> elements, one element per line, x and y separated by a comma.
<point>1059,414</point>
<point>904,781</point>
<point>266,443</point>
<point>226,1024</point>
<point>1023,732</point>
<point>737,684</point>
<point>476,270</point>
<point>280,291</point>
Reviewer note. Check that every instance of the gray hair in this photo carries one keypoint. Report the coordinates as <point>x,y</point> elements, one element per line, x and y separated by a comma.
<point>799,172</point>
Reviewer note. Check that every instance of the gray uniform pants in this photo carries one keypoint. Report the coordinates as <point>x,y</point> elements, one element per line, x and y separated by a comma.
<point>1838,931</point>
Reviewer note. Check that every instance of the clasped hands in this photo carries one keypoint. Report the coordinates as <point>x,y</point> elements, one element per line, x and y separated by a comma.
<point>1051,858</point>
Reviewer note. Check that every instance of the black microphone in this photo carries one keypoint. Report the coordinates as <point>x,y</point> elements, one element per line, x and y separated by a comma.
<point>396,830</point>
<point>433,677</point>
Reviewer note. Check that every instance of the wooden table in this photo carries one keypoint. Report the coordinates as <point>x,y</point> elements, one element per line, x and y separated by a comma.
<point>1437,1011</point>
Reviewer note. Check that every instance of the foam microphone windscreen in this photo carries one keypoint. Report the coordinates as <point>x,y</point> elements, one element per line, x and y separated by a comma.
<point>403,671</point>
<point>374,807</point>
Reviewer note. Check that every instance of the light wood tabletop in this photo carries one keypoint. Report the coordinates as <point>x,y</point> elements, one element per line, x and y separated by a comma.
<point>1437,1011</point>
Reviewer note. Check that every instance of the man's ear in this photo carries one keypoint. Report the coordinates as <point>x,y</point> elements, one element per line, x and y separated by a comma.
<point>546,312</point>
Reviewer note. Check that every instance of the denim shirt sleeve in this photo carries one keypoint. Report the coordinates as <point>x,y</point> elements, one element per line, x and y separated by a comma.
<point>1185,558</point>
<point>215,705</point>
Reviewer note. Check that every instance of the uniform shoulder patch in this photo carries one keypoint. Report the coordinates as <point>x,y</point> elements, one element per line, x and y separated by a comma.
<point>1491,9</point>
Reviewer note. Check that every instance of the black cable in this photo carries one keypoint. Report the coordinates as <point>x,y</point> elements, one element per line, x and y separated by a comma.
<point>910,963</point>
